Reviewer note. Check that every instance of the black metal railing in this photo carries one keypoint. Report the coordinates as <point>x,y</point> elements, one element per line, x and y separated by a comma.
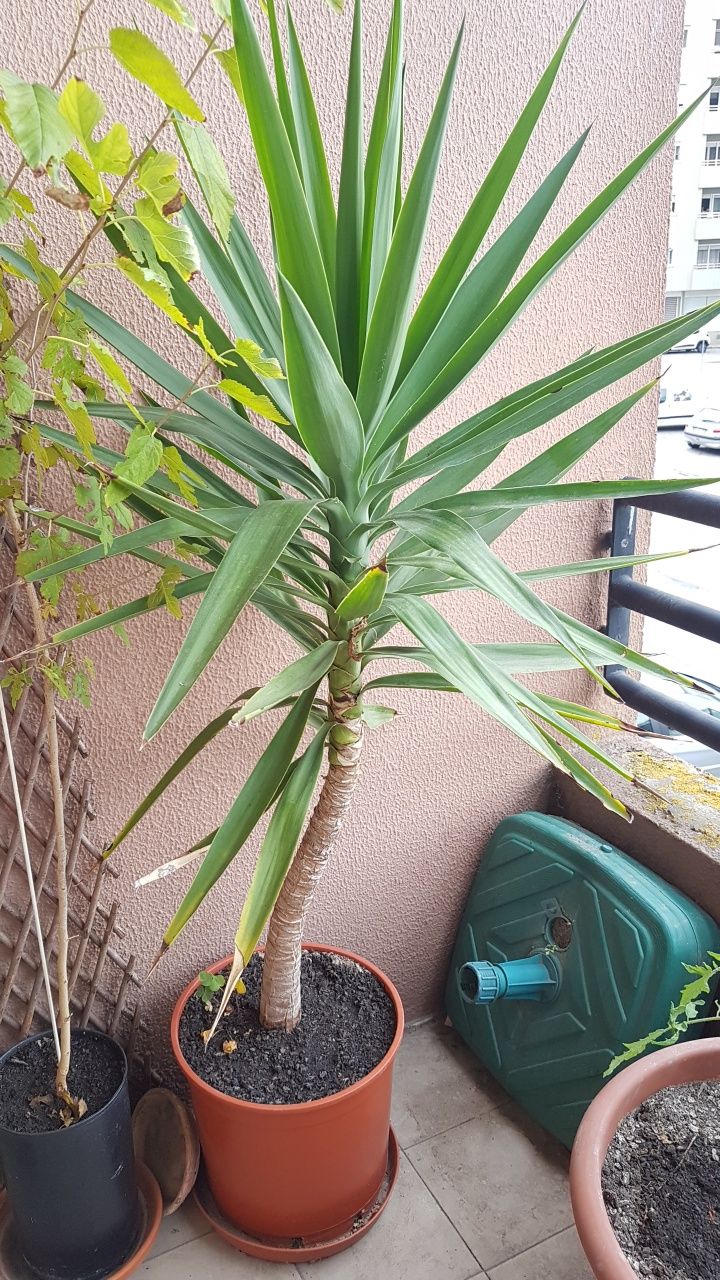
<point>626,596</point>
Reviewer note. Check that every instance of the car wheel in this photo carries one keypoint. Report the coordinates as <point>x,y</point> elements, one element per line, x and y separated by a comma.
<point>703,345</point>
<point>693,444</point>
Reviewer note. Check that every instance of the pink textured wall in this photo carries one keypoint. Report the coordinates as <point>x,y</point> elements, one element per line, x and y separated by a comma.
<point>441,776</point>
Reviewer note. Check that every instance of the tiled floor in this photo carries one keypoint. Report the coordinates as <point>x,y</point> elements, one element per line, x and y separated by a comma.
<point>482,1193</point>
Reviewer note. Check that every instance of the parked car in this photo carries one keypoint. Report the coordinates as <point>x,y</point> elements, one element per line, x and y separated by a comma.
<point>679,745</point>
<point>676,408</point>
<point>698,341</point>
<point>703,429</point>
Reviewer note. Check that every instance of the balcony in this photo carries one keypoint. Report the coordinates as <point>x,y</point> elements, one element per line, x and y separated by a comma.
<point>705,279</point>
<point>707,226</point>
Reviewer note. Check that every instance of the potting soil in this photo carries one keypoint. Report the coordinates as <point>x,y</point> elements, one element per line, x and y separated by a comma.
<point>28,1103</point>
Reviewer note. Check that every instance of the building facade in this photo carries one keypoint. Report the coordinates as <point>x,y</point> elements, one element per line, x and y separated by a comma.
<point>693,274</point>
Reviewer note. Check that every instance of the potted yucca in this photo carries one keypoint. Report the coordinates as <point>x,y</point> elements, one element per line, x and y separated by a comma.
<point>349,532</point>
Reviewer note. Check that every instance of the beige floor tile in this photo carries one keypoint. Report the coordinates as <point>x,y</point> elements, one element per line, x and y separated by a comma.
<point>210,1259</point>
<point>560,1258</point>
<point>412,1241</point>
<point>438,1084</point>
<point>501,1181</point>
<point>187,1224</point>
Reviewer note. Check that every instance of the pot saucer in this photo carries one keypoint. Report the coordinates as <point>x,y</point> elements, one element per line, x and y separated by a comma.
<point>14,1267</point>
<point>300,1249</point>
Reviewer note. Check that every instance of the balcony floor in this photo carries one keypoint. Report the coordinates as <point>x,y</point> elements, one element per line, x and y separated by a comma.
<point>482,1192</point>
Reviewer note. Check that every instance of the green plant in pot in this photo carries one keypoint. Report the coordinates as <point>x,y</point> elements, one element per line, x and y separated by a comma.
<point>349,530</point>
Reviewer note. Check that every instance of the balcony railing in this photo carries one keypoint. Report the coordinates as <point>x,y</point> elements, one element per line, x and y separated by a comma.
<point>627,596</point>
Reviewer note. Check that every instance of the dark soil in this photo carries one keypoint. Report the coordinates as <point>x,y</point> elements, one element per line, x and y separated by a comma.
<point>661,1183</point>
<point>347,1026</point>
<point>27,1082</point>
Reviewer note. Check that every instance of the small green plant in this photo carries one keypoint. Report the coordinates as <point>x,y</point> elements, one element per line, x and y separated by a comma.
<point>209,984</point>
<point>682,1015</point>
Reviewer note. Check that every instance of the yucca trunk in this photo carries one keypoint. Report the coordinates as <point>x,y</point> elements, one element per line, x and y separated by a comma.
<point>280,1002</point>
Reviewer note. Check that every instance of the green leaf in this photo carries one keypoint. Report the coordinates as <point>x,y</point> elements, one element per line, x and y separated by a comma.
<point>227,61</point>
<point>254,798</point>
<point>350,213</point>
<point>143,455</point>
<point>296,678</point>
<point>278,847</point>
<point>455,538</point>
<point>298,253</point>
<point>479,217</point>
<point>148,64</point>
<point>172,242</point>
<point>325,412</point>
<point>382,169</point>
<point>250,557</point>
<point>173,9</point>
<point>388,323</point>
<point>186,757</point>
<point>113,371</point>
<point>9,462</point>
<point>251,400</point>
<point>38,128</point>
<point>209,168</point>
<point>313,162</point>
<point>157,177</point>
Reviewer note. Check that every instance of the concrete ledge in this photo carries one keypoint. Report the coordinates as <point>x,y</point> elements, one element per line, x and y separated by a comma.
<point>675,832</point>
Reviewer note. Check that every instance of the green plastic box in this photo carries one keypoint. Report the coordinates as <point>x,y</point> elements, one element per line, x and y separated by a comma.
<point>616,936</point>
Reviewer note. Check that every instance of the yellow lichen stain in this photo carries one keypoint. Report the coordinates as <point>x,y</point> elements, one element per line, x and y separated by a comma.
<point>684,780</point>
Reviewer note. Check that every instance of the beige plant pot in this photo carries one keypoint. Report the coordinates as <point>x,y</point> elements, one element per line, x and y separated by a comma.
<point>689,1063</point>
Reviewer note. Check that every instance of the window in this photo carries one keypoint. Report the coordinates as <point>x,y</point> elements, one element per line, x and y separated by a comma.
<point>717,34</point>
<point>708,254</point>
<point>677,151</point>
<point>670,257</point>
<point>710,204</point>
<point>712,149</point>
<point>672,203</point>
<point>714,100</point>
<point>672,307</point>
<point>685,36</point>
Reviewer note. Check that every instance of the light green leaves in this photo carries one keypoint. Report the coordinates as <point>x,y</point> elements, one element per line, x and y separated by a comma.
<point>250,557</point>
<point>83,110</point>
<point>172,241</point>
<point>209,168</point>
<point>143,455</point>
<point>251,400</point>
<point>157,177</point>
<point>296,678</point>
<point>173,9</point>
<point>325,411</point>
<point>365,596</point>
<point>148,64</point>
<point>38,128</point>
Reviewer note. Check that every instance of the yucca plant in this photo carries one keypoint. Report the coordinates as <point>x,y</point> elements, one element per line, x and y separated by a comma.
<point>337,349</point>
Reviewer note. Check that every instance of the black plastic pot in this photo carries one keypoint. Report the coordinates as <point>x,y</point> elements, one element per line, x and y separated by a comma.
<point>72,1191</point>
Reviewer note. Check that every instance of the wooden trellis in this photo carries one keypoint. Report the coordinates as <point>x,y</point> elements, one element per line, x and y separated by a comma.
<point>105,990</point>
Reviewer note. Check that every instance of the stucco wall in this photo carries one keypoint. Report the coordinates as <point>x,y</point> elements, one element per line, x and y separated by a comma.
<point>441,776</point>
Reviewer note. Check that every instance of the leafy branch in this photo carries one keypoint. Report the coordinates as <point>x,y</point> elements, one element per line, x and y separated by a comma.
<point>682,1016</point>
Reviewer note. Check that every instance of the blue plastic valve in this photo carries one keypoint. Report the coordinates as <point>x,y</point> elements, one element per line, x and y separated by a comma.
<point>533,978</point>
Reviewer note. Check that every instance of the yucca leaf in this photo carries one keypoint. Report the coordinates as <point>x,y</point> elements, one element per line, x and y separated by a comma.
<point>281,82</point>
<point>455,538</point>
<point>296,678</point>
<point>467,670</point>
<point>278,847</point>
<point>324,410</point>
<point>247,562</point>
<point>297,247</point>
<point>263,304</point>
<point>488,431</point>
<point>389,91</point>
<point>480,293</point>
<point>388,323</point>
<point>201,740</point>
<point>379,222</point>
<point>313,162</point>
<point>247,810</point>
<point>471,232</point>
<point>604,564</point>
<point>350,213</point>
<point>514,659</point>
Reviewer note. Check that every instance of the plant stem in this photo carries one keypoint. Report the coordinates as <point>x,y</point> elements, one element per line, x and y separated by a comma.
<point>280,999</point>
<point>56,788</point>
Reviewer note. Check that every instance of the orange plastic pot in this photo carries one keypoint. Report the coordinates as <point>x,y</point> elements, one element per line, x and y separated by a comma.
<point>689,1063</point>
<point>299,1170</point>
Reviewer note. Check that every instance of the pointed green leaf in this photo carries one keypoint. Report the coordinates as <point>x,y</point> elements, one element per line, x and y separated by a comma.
<point>148,64</point>
<point>297,248</point>
<point>313,161</point>
<point>250,805</point>
<point>251,555</point>
<point>324,409</point>
<point>209,168</point>
<point>38,128</point>
<point>350,213</point>
<point>296,678</point>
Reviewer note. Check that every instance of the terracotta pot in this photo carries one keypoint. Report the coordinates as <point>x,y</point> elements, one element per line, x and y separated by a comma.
<point>298,1170</point>
<point>697,1060</point>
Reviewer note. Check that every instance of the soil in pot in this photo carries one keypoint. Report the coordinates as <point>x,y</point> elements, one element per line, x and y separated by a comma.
<point>347,1027</point>
<point>27,1086</point>
<point>661,1184</point>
